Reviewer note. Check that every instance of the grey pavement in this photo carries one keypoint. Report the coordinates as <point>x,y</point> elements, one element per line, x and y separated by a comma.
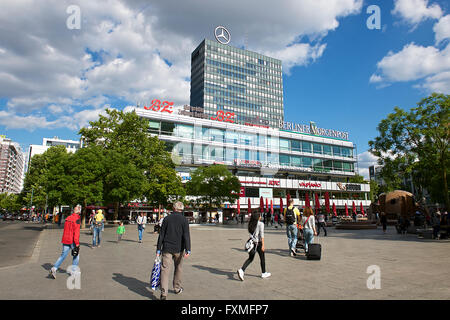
<point>411,268</point>
<point>17,241</point>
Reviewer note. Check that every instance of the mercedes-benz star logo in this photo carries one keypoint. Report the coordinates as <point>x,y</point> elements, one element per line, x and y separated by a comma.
<point>222,35</point>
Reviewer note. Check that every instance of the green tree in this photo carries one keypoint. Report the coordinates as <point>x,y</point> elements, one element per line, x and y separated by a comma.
<point>55,177</point>
<point>416,144</point>
<point>123,181</point>
<point>163,185</point>
<point>9,202</point>
<point>374,190</point>
<point>132,156</point>
<point>85,179</point>
<point>357,179</point>
<point>33,192</point>
<point>213,185</point>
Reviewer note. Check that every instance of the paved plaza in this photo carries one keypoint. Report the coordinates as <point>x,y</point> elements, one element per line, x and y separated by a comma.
<point>411,268</point>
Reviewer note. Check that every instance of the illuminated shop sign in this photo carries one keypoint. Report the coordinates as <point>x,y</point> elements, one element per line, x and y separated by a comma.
<point>349,187</point>
<point>253,182</point>
<point>247,163</point>
<point>313,129</point>
<point>271,182</point>
<point>310,185</point>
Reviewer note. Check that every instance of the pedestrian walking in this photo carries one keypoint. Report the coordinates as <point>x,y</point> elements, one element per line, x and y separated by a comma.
<point>321,223</point>
<point>256,230</point>
<point>280,220</point>
<point>291,216</point>
<point>99,218</point>
<point>309,227</point>
<point>70,240</point>
<point>141,222</point>
<point>91,221</point>
<point>174,244</point>
<point>120,231</point>
<point>436,223</point>
<point>383,220</point>
<point>242,218</point>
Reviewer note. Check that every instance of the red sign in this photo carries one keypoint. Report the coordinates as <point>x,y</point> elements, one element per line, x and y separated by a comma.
<point>256,125</point>
<point>225,117</point>
<point>253,182</point>
<point>242,193</point>
<point>274,183</point>
<point>309,184</point>
<point>247,163</point>
<point>156,106</point>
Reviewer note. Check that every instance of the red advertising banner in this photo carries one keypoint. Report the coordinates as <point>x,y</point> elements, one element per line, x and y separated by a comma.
<point>242,193</point>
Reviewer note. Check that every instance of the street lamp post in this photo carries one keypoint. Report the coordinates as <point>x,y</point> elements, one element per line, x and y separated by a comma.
<point>31,204</point>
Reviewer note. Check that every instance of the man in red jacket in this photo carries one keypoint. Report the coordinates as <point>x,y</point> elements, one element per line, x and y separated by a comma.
<point>70,240</point>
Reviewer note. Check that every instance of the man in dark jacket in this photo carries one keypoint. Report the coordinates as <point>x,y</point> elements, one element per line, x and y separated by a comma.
<point>174,243</point>
<point>70,240</point>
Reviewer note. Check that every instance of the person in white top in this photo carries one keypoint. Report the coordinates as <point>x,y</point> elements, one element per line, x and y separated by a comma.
<point>309,227</point>
<point>141,222</point>
<point>321,223</point>
<point>256,230</point>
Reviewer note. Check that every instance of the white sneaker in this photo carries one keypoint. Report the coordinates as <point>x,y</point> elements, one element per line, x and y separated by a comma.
<point>266,275</point>
<point>241,274</point>
<point>53,272</point>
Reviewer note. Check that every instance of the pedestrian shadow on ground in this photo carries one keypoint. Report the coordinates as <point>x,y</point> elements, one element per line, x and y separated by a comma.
<point>222,272</point>
<point>140,287</point>
<point>126,240</point>
<point>47,266</point>
<point>33,228</point>
<point>84,244</point>
<point>280,252</point>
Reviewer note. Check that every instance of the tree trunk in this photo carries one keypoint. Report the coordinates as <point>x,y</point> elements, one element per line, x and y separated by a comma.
<point>447,202</point>
<point>116,211</point>
<point>83,216</point>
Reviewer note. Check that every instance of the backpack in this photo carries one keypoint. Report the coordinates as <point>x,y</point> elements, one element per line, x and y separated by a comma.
<point>290,216</point>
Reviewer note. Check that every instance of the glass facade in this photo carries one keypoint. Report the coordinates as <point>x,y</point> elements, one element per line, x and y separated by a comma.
<point>227,146</point>
<point>228,79</point>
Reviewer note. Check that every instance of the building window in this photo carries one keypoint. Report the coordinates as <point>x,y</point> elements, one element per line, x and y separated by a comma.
<point>306,147</point>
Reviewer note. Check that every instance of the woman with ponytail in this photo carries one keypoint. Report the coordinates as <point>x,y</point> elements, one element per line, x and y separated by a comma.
<point>256,230</point>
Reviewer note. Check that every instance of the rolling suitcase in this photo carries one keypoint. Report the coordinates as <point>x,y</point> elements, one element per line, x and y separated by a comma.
<point>314,251</point>
<point>300,239</point>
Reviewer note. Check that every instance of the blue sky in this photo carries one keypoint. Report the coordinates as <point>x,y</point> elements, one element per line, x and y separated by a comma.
<point>338,73</point>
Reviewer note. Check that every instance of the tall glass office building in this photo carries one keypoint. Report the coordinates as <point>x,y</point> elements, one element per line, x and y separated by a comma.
<point>244,83</point>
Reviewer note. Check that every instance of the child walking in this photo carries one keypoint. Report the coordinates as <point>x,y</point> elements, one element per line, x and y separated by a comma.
<point>120,231</point>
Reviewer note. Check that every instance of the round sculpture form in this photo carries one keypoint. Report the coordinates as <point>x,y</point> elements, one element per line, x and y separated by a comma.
<point>398,203</point>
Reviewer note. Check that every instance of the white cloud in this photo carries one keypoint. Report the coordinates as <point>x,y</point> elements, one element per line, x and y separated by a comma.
<point>416,11</point>
<point>438,83</point>
<point>442,29</point>
<point>375,78</point>
<point>416,62</point>
<point>299,54</point>
<point>365,160</point>
<point>136,50</point>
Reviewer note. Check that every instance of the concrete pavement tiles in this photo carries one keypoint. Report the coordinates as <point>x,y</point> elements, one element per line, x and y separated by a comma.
<point>411,268</point>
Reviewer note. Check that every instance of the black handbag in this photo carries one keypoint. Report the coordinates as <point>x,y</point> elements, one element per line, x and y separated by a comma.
<point>75,251</point>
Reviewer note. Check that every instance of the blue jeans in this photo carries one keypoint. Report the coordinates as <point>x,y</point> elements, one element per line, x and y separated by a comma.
<point>65,251</point>
<point>96,236</point>
<point>140,231</point>
<point>291,231</point>
<point>309,237</point>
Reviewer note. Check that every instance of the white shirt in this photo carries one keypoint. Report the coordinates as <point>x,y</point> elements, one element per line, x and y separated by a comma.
<point>141,220</point>
<point>310,224</point>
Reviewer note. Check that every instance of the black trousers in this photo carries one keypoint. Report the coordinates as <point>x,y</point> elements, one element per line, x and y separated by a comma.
<point>321,225</point>
<point>251,256</point>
